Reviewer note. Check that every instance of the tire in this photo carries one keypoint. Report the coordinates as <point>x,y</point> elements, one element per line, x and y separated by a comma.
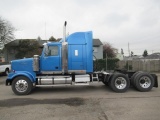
<point>105,83</point>
<point>6,72</point>
<point>134,76</point>
<point>144,82</point>
<point>119,83</point>
<point>22,85</point>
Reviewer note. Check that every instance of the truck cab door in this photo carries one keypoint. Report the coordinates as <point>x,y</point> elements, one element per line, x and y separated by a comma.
<point>51,59</point>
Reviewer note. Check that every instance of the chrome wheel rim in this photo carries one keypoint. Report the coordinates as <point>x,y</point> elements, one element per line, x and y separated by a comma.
<point>120,83</point>
<point>21,86</point>
<point>145,82</point>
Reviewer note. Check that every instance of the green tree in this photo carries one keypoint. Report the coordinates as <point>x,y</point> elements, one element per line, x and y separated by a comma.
<point>122,52</point>
<point>132,53</point>
<point>100,64</point>
<point>108,50</point>
<point>145,53</point>
<point>52,39</point>
<point>27,48</point>
<point>39,38</point>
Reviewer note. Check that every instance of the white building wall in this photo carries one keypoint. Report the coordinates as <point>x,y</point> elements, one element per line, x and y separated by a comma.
<point>98,52</point>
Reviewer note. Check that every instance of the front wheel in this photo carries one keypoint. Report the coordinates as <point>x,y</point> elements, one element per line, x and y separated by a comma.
<point>22,85</point>
<point>119,83</point>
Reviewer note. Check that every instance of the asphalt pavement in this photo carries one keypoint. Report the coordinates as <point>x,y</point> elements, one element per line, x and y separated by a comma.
<point>95,102</point>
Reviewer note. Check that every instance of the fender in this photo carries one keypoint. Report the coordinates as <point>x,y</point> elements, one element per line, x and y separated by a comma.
<point>31,76</point>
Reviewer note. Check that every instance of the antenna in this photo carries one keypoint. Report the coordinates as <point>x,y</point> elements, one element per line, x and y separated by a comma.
<point>45,30</point>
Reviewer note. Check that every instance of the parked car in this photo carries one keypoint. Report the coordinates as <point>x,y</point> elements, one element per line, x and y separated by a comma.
<point>5,68</point>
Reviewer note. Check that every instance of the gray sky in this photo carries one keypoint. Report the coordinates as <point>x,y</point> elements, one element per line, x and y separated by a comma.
<point>118,22</point>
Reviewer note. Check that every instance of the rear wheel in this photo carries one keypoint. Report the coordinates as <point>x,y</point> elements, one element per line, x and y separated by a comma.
<point>106,83</point>
<point>22,85</point>
<point>144,82</point>
<point>106,79</point>
<point>119,82</point>
<point>134,76</point>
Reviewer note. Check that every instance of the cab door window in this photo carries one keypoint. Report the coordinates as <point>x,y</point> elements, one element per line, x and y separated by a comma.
<point>53,51</point>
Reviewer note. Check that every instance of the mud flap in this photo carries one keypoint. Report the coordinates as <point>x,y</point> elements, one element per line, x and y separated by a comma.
<point>155,80</point>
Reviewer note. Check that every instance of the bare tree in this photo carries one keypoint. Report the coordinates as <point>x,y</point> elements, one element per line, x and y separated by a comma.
<point>6,31</point>
<point>109,50</point>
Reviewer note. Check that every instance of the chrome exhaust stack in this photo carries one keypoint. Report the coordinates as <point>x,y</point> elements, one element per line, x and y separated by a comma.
<point>64,51</point>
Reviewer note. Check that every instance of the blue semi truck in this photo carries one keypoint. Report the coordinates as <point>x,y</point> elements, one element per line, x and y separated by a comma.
<point>70,62</point>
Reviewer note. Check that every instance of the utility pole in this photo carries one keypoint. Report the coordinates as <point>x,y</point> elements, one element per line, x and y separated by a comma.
<point>129,55</point>
<point>128,50</point>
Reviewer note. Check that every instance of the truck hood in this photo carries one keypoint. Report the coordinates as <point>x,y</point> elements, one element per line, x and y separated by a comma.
<point>22,65</point>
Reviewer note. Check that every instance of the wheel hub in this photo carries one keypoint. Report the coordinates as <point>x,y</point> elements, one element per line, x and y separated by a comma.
<point>120,83</point>
<point>145,82</point>
<point>21,85</point>
<point>142,81</point>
